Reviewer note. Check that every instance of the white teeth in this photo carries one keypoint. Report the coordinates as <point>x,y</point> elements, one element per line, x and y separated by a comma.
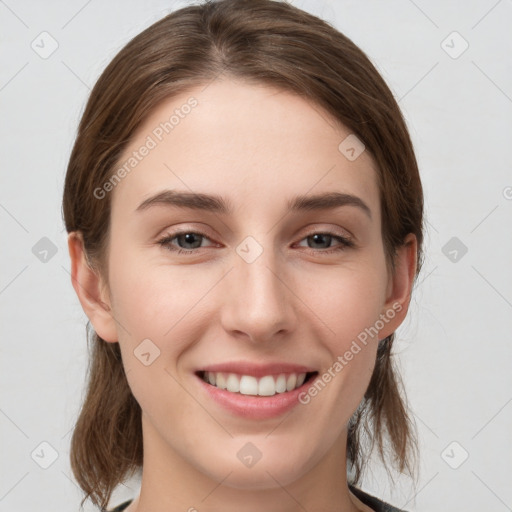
<point>249,385</point>
<point>267,386</point>
<point>233,383</point>
<point>300,379</point>
<point>281,384</point>
<point>290,383</point>
<point>220,381</point>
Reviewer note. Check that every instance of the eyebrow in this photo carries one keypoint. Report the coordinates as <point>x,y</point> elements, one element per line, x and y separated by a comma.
<point>218,204</point>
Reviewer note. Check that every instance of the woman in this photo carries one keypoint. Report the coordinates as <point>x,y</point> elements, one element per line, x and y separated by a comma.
<point>237,361</point>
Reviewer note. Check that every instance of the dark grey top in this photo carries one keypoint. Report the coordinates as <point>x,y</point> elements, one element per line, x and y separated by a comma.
<point>373,502</point>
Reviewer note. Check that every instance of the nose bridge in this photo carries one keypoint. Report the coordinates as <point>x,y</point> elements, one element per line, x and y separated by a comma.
<point>258,303</point>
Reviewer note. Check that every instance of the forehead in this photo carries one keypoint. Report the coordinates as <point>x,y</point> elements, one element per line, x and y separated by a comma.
<point>247,142</point>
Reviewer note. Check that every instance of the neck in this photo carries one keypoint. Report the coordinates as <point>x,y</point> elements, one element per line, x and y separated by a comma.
<point>171,484</point>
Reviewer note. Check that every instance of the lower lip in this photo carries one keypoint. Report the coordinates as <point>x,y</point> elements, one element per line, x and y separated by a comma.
<point>255,407</point>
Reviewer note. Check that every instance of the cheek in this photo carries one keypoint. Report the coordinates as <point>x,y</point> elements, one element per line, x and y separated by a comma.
<point>158,315</point>
<point>165,303</point>
<point>155,300</point>
<point>348,300</point>
<point>173,307</point>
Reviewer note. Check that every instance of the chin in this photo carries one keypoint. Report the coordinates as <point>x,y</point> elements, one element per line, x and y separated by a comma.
<point>260,479</point>
<point>273,471</point>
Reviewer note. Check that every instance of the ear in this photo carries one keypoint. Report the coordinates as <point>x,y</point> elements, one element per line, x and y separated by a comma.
<point>398,294</point>
<point>91,290</point>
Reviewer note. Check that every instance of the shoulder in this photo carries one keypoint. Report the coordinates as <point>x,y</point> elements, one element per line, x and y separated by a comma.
<point>373,502</point>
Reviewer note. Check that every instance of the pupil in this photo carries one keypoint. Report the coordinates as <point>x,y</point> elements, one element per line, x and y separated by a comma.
<point>189,239</point>
<point>318,238</point>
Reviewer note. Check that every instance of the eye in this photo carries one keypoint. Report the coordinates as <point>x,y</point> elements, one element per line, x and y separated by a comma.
<point>192,239</point>
<point>325,238</point>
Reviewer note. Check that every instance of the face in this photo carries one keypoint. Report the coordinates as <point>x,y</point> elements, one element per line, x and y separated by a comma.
<point>251,289</point>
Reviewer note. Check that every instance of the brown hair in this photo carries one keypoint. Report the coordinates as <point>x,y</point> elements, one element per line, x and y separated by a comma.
<point>260,41</point>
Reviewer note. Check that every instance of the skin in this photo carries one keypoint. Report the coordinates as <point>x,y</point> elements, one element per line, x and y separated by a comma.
<point>257,146</point>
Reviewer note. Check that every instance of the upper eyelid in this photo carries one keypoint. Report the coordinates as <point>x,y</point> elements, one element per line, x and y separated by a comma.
<point>328,231</point>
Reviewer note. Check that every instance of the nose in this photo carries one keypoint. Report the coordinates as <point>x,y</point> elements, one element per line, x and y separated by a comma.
<point>259,304</point>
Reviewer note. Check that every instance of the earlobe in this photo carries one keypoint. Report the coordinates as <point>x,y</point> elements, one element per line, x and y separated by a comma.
<point>90,290</point>
<point>400,286</point>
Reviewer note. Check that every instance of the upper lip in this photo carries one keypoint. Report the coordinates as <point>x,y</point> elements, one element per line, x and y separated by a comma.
<point>256,370</point>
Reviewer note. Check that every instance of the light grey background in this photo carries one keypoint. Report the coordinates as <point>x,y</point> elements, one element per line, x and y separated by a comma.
<point>454,349</point>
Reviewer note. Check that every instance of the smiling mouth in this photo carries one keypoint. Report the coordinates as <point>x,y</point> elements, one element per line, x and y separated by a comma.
<point>268,385</point>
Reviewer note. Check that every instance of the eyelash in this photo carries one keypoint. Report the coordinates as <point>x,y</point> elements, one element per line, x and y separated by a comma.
<point>345,242</point>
